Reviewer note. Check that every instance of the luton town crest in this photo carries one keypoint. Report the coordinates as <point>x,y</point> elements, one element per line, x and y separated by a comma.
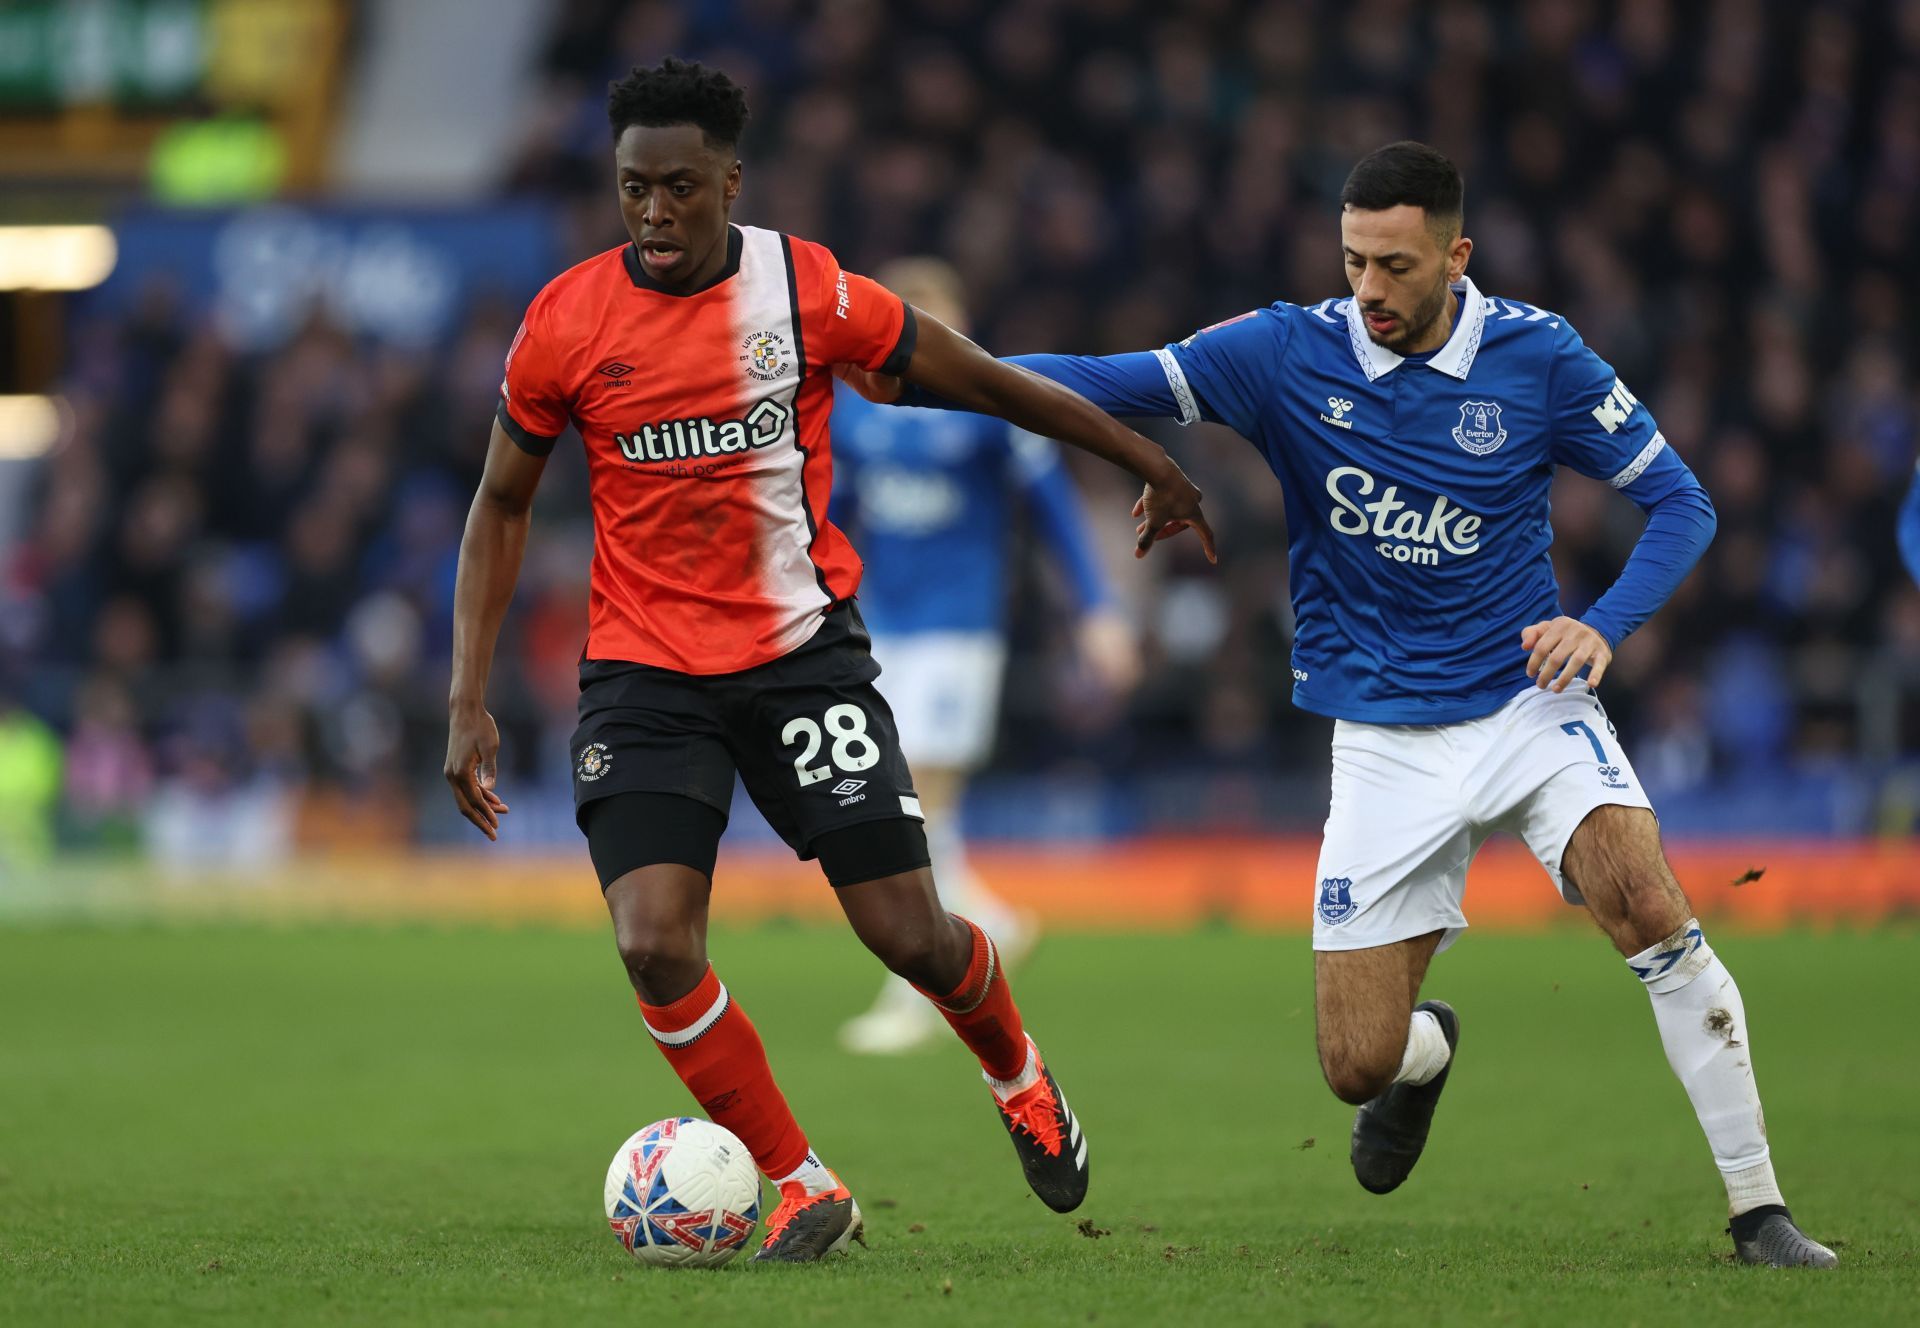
<point>595,760</point>
<point>1336,900</point>
<point>764,355</point>
<point>1479,430</point>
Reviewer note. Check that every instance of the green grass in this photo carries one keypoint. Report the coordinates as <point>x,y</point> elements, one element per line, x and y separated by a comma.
<point>249,1125</point>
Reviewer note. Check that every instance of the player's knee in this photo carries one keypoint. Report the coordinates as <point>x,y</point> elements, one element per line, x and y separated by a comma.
<point>663,962</point>
<point>923,953</point>
<point>1646,910</point>
<point>1355,1079</point>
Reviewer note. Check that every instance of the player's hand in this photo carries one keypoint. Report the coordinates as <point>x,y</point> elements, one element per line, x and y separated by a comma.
<point>1559,649</point>
<point>1110,652</point>
<point>473,753</point>
<point>1166,507</point>
<point>882,389</point>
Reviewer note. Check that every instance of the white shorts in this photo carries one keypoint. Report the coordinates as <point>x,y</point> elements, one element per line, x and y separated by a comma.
<point>944,688</point>
<point>1413,803</point>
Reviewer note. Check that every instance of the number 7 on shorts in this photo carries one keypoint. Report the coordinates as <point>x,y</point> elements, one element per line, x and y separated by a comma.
<point>1579,728</point>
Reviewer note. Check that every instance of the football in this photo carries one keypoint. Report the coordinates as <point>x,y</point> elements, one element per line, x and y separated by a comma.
<point>683,1193</point>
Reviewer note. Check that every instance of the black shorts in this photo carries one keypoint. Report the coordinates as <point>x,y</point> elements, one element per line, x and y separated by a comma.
<point>810,736</point>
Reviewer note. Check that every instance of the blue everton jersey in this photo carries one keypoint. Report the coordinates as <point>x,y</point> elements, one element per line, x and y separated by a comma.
<point>928,497</point>
<point>1908,532</point>
<point>1416,488</point>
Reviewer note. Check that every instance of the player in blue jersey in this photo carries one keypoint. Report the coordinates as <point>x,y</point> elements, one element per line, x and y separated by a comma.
<point>930,496</point>
<point>1415,428</point>
<point>1908,531</point>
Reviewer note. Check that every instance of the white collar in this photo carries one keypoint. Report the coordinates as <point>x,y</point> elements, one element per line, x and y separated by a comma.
<point>1455,359</point>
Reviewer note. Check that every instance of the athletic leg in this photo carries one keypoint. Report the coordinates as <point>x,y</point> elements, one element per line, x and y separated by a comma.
<point>1615,862</point>
<point>1393,867</point>
<point>1364,1017</point>
<point>954,964</point>
<point>944,690</point>
<point>658,902</point>
<point>820,757</point>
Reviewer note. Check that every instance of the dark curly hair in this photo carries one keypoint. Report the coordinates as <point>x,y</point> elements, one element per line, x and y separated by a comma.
<point>679,92</point>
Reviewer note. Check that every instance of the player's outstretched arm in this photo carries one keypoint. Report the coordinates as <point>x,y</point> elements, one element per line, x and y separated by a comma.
<point>490,553</point>
<point>952,367</point>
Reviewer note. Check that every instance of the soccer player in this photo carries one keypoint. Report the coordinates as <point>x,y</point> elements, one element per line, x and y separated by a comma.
<point>929,497</point>
<point>695,362</point>
<point>1907,530</point>
<point>1414,428</point>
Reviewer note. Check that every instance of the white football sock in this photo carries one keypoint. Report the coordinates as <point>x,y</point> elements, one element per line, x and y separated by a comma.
<point>1029,1076</point>
<point>1703,1027</point>
<point>811,1173</point>
<point>1427,1050</point>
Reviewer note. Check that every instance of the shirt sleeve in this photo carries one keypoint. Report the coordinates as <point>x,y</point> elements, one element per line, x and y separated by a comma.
<point>1602,430</point>
<point>1058,516</point>
<point>1132,384</point>
<point>847,318</point>
<point>533,407</point>
<point>1225,373</point>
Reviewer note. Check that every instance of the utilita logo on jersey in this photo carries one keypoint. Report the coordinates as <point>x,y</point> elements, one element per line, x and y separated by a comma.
<point>1406,534</point>
<point>702,437</point>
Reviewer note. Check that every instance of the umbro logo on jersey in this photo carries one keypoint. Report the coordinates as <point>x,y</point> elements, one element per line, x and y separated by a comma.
<point>1339,406</point>
<point>848,786</point>
<point>615,369</point>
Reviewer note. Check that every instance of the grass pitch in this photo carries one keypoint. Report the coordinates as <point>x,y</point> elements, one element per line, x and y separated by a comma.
<point>250,1125</point>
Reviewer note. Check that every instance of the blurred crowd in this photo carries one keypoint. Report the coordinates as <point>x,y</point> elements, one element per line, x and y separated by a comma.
<point>238,581</point>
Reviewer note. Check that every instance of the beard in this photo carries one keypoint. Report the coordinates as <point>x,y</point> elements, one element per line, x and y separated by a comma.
<point>1415,326</point>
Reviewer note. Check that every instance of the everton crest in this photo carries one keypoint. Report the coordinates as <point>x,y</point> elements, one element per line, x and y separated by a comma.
<point>1479,430</point>
<point>1336,900</point>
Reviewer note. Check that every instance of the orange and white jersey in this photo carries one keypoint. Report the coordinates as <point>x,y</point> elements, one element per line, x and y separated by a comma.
<point>705,422</point>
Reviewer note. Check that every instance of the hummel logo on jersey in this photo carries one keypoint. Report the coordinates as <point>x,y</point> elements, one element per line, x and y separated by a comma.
<point>1339,406</point>
<point>680,440</point>
<point>1444,526</point>
<point>1614,408</point>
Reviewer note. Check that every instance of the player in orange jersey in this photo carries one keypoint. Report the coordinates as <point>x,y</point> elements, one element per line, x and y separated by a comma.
<point>697,365</point>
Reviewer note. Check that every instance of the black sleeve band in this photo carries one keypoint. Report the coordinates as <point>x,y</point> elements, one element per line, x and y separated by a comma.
<point>627,831</point>
<point>902,354</point>
<point>531,443</point>
<point>871,850</point>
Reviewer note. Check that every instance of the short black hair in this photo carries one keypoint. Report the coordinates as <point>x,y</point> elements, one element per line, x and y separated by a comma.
<point>1407,173</point>
<point>677,92</point>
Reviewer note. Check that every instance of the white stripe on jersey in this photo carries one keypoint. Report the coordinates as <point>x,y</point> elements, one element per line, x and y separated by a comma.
<point>695,1030</point>
<point>777,489</point>
<point>1177,380</point>
<point>1639,463</point>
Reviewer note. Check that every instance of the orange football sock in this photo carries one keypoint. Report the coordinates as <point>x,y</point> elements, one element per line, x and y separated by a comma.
<point>982,1011</point>
<point>715,1049</point>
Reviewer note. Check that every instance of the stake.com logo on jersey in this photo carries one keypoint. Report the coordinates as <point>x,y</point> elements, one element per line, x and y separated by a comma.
<point>1444,526</point>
